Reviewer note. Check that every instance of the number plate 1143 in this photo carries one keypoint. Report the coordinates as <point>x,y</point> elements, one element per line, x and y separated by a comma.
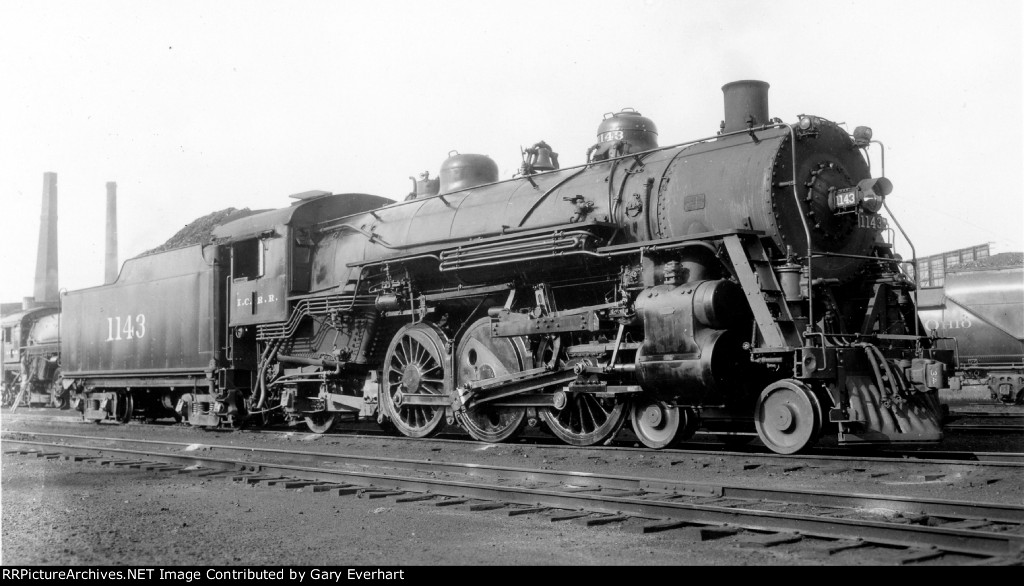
<point>872,221</point>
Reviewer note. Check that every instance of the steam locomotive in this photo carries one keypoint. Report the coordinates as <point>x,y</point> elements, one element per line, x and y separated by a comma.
<point>30,357</point>
<point>744,281</point>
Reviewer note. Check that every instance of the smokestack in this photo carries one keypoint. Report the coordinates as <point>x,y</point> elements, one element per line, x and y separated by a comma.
<point>46,261</point>
<point>745,100</point>
<point>111,254</point>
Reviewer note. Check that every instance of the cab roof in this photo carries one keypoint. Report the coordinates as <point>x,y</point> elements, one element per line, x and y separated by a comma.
<point>311,208</point>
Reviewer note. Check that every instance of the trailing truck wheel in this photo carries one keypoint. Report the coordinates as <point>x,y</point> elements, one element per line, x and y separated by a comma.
<point>415,364</point>
<point>482,357</point>
<point>788,417</point>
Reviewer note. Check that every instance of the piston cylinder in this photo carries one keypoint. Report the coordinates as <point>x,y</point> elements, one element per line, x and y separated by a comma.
<point>688,349</point>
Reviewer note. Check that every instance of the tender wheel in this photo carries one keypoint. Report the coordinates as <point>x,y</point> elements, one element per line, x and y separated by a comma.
<point>123,407</point>
<point>320,422</point>
<point>481,357</point>
<point>415,364</point>
<point>658,424</point>
<point>788,417</point>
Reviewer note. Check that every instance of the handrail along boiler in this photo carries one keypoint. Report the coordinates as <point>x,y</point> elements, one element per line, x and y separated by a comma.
<point>741,281</point>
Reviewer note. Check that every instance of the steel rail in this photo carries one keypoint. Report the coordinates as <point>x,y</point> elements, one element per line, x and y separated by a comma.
<point>963,541</point>
<point>938,507</point>
<point>994,427</point>
<point>920,458</point>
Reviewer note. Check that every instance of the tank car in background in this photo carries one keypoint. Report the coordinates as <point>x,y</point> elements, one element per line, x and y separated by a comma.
<point>979,313</point>
<point>31,357</point>
<point>741,282</point>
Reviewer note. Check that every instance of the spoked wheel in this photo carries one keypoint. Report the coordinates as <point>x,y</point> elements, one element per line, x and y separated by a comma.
<point>415,364</point>
<point>482,357</point>
<point>658,424</point>
<point>788,417</point>
<point>320,422</point>
<point>586,420</point>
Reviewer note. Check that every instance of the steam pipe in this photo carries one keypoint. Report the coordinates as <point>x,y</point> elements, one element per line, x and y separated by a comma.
<point>807,229</point>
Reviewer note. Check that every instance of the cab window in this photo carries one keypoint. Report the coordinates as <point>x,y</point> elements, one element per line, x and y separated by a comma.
<point>247,259</point>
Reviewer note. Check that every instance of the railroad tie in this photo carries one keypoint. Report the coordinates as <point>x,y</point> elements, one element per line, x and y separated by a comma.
<point>921,555</point>
<point>131,463</point>
<point>251,479</point>
<point>845,544</point>
<point>527,511</point>
<point>771,539</point>
<point>415,498</point>
<point>451,501</point>
<point>605,520</point>
<point>717,532</point>
<point>664,526</point>
<point>486,506</point>
<point>342,491</point>
<point>318,488</point>
<point>74,458</point>
<point>569,516</point>
<point>379,494</point>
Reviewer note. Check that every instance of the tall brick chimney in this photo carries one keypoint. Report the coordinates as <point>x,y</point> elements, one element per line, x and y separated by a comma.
<point>110,274</point>
<point>46,261</point>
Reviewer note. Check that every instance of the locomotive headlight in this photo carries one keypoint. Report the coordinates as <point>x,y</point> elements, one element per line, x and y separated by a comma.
<point>806,123</point>
<point>873,192</point>
<point>862,136</point>
<point>872,202</point>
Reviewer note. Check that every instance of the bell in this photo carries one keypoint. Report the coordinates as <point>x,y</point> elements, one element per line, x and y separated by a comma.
<point>542,161</point>
<point>540,158</point>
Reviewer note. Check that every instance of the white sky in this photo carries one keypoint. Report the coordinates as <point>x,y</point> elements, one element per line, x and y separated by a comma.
<point>193,107</point>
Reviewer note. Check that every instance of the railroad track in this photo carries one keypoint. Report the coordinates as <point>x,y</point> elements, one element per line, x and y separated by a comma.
<point>911,530</point>
<point>822,455</point>
<point>979,421</point>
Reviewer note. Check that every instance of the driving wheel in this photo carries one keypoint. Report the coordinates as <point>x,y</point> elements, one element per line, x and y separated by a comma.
<point>481,357</point>
<point>415,364</point>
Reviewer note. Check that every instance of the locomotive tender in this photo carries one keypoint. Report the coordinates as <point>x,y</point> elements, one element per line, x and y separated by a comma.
<point>742,281</point>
